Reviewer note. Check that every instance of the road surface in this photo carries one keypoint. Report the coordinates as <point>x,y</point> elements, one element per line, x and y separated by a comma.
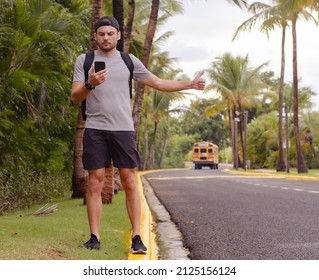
<point>225,216</point>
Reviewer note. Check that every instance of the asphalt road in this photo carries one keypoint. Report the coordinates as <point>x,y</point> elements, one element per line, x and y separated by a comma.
<point>224,216</point>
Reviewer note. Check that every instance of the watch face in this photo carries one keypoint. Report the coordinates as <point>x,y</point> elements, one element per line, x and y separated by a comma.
<point>88,86</point>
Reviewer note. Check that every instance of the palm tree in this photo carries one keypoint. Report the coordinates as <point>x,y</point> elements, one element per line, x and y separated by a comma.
<point>301,165</point>
<point>160,109</point>
<point>238,86</point>
<point>294,10</point>
<point>129,25</point>
<point>118,13</point>
<point>305,95</point>
<point>171,7</point>
<point>156,104</point>
<point>271,16</point>
<point>137,107</point>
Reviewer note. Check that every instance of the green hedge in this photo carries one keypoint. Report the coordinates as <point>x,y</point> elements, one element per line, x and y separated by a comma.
<point>27,188</point>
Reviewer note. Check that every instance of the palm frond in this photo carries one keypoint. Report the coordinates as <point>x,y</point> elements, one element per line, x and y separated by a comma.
<point>45,210</point>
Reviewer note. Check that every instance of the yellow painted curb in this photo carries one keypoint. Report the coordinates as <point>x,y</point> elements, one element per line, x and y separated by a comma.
<point>293,177</point>
<point>147,233</point>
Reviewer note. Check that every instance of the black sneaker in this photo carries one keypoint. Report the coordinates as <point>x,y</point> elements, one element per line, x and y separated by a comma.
<point>92,244</point>
<point>138,246</point>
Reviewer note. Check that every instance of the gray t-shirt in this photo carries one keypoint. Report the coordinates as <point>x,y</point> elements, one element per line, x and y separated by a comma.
<point>108,106</point>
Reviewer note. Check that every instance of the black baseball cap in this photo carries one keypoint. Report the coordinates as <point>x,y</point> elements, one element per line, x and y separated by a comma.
<point>107,21</point>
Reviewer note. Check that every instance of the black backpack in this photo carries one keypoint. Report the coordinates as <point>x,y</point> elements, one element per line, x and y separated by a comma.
<point>89,57</point>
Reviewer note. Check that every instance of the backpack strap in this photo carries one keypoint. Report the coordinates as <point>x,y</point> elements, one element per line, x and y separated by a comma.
<point>89,57</point>
<point>129,63</point>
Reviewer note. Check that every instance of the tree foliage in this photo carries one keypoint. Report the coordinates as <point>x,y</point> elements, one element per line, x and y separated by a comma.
<point>38,45</point>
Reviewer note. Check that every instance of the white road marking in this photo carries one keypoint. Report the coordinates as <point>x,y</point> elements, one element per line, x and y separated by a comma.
<point>200,178</point>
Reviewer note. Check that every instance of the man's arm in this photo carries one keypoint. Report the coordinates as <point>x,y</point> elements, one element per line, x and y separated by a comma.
<point>79,92</point>
<point>171,85</point>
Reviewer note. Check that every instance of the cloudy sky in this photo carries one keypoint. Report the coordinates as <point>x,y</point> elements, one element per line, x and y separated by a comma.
<point>204,31</point>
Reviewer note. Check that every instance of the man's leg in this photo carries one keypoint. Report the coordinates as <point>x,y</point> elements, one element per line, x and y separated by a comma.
<point>93,199</point>
<point>133,203</point>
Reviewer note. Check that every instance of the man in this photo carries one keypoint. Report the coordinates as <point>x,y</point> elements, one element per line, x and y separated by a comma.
<point>109,133</point>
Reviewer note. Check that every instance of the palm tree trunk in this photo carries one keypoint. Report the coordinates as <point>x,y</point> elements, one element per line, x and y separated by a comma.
<point>129,26</point>
<point>118,12</point>
<point>145,145</point>
<point>150,161</point>
<point>163,149</point>
<point>108,188</point>
<point>281,166</point>
<point>137,107</point>
<point>153,147</point>
<point>96,14</point>
<point>301,166</point>
<point>79,176</point>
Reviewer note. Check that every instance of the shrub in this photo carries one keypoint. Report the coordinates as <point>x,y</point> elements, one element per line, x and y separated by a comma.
<point>27,188</point>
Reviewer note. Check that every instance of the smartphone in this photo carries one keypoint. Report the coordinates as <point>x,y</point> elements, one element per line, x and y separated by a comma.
<point>99,65</point>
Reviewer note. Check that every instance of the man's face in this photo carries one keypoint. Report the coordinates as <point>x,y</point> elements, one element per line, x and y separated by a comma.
<point>106,38</point>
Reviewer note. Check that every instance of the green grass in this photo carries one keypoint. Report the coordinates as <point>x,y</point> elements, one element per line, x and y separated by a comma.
<point>293,172</point>
<point>58,236</point>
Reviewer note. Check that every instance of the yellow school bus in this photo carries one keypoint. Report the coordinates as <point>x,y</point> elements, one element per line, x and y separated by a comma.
<point>205,154</point>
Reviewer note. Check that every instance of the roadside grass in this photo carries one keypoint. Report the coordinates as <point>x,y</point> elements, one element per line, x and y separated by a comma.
<point>24,236</point>
<point>293,172</point>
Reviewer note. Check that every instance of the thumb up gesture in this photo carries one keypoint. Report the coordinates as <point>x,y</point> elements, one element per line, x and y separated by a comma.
<point>199,82</point>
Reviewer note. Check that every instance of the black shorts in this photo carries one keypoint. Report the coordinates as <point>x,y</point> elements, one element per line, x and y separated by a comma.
<point>100,147</point>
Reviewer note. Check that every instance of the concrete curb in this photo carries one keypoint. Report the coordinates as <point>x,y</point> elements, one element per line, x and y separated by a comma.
<point>168,237</point>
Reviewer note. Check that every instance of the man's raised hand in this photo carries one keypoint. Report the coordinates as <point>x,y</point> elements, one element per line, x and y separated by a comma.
<point>199,82</point>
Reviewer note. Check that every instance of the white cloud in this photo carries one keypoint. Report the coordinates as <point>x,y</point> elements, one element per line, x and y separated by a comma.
<point>205,31</point>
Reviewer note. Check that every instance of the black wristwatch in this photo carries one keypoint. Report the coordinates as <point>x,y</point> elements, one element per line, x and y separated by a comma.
<point>88,86</point>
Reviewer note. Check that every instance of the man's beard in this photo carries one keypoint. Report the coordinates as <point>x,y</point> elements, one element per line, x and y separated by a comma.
<point>104,48</point>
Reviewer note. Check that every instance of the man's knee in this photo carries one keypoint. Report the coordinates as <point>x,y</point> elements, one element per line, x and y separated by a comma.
<point>128,178</point>
<point>96,181</point>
